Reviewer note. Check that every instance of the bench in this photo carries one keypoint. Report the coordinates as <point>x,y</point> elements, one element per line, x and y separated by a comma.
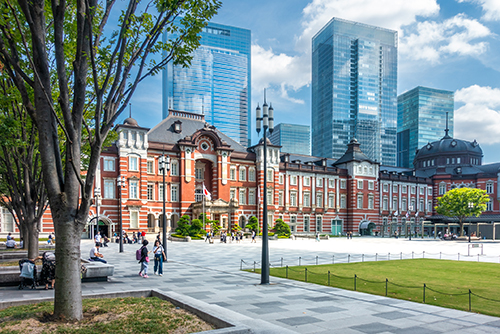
<point>97,271</point>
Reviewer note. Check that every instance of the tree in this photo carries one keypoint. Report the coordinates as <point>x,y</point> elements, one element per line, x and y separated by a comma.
<point>183,226</point>
<point>281,228</point>
<point>67,62</point>
<point>21,183</point>
<point>253,224</point>
<point>455,203</point>
<point>215,226</point>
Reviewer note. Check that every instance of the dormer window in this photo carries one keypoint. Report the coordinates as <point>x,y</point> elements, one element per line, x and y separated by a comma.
<point>177,126</point>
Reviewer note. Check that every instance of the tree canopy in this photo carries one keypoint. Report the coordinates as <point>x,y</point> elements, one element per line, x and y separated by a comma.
<point>461,203</point>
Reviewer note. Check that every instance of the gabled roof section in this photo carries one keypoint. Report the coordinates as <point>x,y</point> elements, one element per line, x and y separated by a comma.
<point>353,153</point>
<point>190,123</point>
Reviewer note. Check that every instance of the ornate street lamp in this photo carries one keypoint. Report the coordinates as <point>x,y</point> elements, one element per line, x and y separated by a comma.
<point>164,166</point>
<point>471,206</point>
<point>121,183</point>
<point>267,117</point>
<point>411,209</point>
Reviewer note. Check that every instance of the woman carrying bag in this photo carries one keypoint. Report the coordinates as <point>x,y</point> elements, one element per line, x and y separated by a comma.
<point>159,253</point>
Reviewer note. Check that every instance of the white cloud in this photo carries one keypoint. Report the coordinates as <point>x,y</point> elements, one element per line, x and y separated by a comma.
<point>491,8</point>
<point>479,117</point>
<point>281,70</point>
<point>455,36</point>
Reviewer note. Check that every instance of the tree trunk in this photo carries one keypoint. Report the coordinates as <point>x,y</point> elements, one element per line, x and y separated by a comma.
<point>24,235</point>
<point>68,293</point>
<point>31,240</point>
<point>461,228</point>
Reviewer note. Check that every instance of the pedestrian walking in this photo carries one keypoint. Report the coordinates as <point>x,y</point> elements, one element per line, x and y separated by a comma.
<point>317,236</point>
<point>253,237</point>
<point>144,261</point>
<point>159,253</point>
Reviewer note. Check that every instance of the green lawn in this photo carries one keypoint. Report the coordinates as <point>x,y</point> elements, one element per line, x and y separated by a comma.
<point>447,282</point>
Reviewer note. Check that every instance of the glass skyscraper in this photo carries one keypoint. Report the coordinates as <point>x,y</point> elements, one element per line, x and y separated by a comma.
<point>422,119</point>
<point>293,138</point>
<point>217,83</point>
<point>354,90</point>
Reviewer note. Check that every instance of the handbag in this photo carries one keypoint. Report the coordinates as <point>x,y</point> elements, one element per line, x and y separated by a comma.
<point>147,258</point>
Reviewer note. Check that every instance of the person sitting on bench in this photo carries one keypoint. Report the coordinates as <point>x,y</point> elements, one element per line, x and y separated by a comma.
<point>95,255</point>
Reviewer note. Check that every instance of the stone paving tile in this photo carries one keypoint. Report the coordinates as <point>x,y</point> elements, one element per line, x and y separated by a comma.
<point>374,327</point>
<point>297,321</point>
<point>326,309</point>
<point>392,315</point>
<point>416,330</point>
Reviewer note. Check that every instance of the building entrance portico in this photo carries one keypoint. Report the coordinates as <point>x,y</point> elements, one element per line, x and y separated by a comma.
<point>217,210</point>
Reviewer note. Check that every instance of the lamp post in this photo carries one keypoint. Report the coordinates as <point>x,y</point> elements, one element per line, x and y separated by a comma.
<point>97,194</point>
<point>121,183</point>
<point>164,166</point>
<point>411,209</point>
<point>267,118</point>
<point>471,206</point>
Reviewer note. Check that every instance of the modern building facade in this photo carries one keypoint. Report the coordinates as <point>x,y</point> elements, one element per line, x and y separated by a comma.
<point>311,194</point>
<point>422,116</point>
<point>354,90</point>
<point>293,138</point>
<point>218,82</point>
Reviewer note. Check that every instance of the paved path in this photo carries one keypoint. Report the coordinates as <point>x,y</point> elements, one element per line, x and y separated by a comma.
<point>210,273</point>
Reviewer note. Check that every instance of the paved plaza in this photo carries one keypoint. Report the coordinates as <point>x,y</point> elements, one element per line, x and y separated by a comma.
<point>210,274</point>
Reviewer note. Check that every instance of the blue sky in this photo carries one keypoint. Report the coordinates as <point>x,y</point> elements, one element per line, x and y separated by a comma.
<point>451,44</point>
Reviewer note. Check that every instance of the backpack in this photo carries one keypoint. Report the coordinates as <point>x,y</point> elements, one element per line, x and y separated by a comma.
<point>138,254</point>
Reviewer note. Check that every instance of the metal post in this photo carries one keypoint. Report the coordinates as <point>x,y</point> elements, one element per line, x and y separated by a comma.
<point>355,282</point>
<point>470,306</point>
<point>348,258</point>
<point>376,256</point>
<point>424,293</point>
<point>287,271</point>
<point>121,183</point>
<point>282,262</point>
<point>316,260</point>
<point>328,277</point>
<point>299,260</point>
<point>305,275</point>
<point>386,281</point>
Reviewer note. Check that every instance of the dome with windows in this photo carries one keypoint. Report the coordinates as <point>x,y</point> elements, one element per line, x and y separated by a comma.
<point>448,152</point>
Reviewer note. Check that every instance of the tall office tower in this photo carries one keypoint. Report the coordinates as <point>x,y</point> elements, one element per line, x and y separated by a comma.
<point>217,83</point>
<point>421,120</point>
<point>293,138</point>
<point>354,90</point>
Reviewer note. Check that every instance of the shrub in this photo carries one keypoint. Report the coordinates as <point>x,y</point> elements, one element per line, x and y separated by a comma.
<point>282,228</point>
<point>253,224</point>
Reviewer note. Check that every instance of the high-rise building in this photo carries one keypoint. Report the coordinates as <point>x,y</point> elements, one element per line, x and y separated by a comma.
<point>422,116</point>
<point>293,138</point>
<point>217,83</point>
<point>354,90</point>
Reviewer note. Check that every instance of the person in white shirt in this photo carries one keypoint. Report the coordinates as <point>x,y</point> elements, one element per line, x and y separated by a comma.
<point>98,238</point>
<point>95,255</point>
<point>10,243</point>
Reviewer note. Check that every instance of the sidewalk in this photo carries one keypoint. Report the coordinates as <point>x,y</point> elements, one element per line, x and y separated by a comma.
<point>210,273</point>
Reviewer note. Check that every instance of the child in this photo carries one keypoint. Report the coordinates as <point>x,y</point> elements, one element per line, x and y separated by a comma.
<point>159,255</point>
<point>144,261</point>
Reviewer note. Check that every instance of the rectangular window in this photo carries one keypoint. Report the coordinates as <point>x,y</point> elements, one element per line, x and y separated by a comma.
<point>489,205</point>
<point>319,223</point>
<point>281,178</point>
<point>270,196</point>
<point>371,185</point>
<point>395,189</point>
<point>280,198</point>
<point>331,201</point>
<point>293,199</point>
<point>134,219</point>
<point>198,173</point>
<point>306,224</point>
<point>403,189</point>
<point>394,203</point>
<point>232,194</point>
<point>342,184</point>
<point>442,188</point>
<point>307,181</point>
<point>331,183</point>
<point>412,190</point>
<point>342,202</point>
<point>232,173</point>
<point>150,192</point>
<point>174,168</point>
<point>336,227</point>
<point>132,164</point>
<point>109,189</point>
<point>307,198</point>
<point>386,187</point>
<point>403,204</point>
<point>293,223</point>
<point>384,204</point>
<point>360,201</point>
<point>251,174</point>
<point>319,200</point>
<point>360,184</point>
<point>149,165</point>
<point>160,192</point>
<point>489,188</point>
<point>421,205</point>
<point>109,165</point>
<point>429,191</point>
<point>429,206</point>
<point>319,182</point>
<point>422,190</point>
<point>8,221</point>
<point>251,197</point>
<point>242,196</point>
<point>243,174</point>
<point>370,202</point>
<point>174,193</point>
<point>270,175</point>
<point>293,180</point>
<point>133,193</point>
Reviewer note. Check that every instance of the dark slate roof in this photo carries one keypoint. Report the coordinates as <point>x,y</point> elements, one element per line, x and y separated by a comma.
<point>304,159</point>
<point>399,170</point>
<point>353,153</point>
<point>448,145</point>
<point>490,168</point>
<point>164,131</point>
<point>459,170</point>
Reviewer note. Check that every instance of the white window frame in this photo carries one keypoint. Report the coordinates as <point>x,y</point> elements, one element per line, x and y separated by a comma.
<point>251,197</point>
<point>343,184</point>
<point>371,185</point>
<point>151,187</point>
<point>359,201</point>
<point>133,189</point>
<point>108,165</point>
<point>174,193</point>
<point>489,187</point>
<point>109,188</point>
<point>174,168</point>
<point>293,198</point>
<point>242,196</point>
<point>251,174</point>
<point>270,175</point>
<point>232,173</point>
<point>281,177</point>
<point>307,223</point>
<point>319,182</point>
<point>331,183</point>
<point>360,184</point>
<point>343,201</point>
<point>134,219</point>
<point>307,181</point>
<point>160,192</point>
<point>150,166</point>
<point>307,199</point>
<point>243,174</point>
<point>131,163</point>
<point>293,180</point>
<point>371,202</point>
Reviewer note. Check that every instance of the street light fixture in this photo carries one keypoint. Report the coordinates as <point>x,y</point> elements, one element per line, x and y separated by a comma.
<point>266,118</point>
<point>97,194</point>
<point>471,206</point>
<point>121,183</point>
<point>411,209</point>
<point>164,166</point>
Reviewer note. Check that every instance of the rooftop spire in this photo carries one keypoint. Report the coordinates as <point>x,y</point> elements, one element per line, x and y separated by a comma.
<point>446,135</point>
<point>130,110</point>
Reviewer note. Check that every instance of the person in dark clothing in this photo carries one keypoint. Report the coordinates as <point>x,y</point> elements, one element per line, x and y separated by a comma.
<point>144,261</point>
